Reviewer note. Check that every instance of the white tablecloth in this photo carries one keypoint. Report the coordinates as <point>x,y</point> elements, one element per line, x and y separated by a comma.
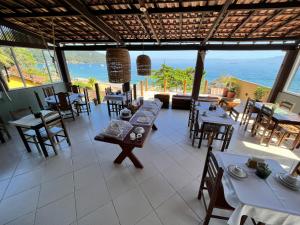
<point>266,201</point>
<point>120,97</point>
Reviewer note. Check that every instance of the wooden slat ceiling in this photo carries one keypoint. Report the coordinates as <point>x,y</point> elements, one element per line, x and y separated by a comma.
<point>164,20</point>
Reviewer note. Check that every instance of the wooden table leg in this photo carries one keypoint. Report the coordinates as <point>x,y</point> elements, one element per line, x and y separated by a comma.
<point>108,108</point>
<point>127,152</point>
<point>201,135</point>
<point>296,142</point>
<point>272,133</point>
<point>24,139</point>
<point>41,142</point>
<point>2,140</point>
<point>154,127</point>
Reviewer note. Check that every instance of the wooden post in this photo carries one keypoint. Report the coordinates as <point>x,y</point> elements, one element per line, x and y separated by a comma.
<point>206,87</point>
<point>198,74</point>
<point>142,88</point>
<point>63,68</point>
<point>134,91</point>
<point>146,84</point>
<point>184,87</point>
<point>165,85</point>
<point>97,93</point>
<point>283,74</point>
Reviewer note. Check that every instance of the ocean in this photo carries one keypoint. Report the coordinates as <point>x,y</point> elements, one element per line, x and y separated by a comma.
<point>262,71</point>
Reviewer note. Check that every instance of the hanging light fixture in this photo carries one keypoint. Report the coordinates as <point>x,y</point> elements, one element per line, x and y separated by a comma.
<point>143,63</point>
<point>118,65</point>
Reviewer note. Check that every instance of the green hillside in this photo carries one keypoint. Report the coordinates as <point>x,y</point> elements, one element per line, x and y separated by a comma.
<point>87,57</point>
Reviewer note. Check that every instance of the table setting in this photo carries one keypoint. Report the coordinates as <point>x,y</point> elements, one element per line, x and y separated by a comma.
<point>259,188</point>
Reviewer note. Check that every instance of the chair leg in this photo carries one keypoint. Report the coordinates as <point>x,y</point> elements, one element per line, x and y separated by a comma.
<point>37,144</point>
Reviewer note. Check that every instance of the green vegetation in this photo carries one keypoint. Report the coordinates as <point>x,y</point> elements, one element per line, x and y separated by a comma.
<point>175,77</point>
<point>260,92</point>
<point>90,83</point>
<point>85,57</point>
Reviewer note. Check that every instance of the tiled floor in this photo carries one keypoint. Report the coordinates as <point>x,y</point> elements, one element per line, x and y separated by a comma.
<point>81,186</point>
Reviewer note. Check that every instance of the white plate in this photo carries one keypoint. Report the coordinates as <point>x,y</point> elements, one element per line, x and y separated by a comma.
<point>143,119</point>
<point>231,172</point>
<point>139,130</point>
<point>280,179</point>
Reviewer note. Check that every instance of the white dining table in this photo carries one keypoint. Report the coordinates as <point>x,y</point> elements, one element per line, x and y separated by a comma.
<point>266,201</point>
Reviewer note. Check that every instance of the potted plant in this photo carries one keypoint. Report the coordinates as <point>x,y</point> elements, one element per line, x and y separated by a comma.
<point>259,93</point>
<point>231,92</point>
<point>225,91</point>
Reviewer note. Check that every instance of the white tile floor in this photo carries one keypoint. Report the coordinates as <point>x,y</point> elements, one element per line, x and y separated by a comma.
<point>81,186</point>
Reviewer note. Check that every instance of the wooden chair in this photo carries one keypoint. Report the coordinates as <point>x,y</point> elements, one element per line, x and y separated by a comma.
<point>39,101</point>
<point>75,89</point>
<point>286,105</point>
<point>192,112</point>
<point>83,105</point>
<point>296,170</point>
<point>55,131</point>
<point>234,114</point>
<point>3,130</point>
<point>249,113</point>
<point>264,123</point>
<point>48,91</point>
<point>64,104</point>
<point>211,182</point>
<point>289,132</point>
<point>29,134</point>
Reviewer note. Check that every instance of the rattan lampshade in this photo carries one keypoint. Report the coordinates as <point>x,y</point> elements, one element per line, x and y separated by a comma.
<point>118,65</point>
<point>143,63</point>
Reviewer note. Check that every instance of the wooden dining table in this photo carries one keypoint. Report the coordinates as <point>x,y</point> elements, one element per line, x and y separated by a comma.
<point>53,100</point>
<point>127,145</point>
<point>30,122</point>
<point>214,117</point>
<point>267,201</point>
<point>280,116</point>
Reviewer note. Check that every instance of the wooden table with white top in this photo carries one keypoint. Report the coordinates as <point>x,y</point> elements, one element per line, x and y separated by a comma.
<point>30,122</point>
<point>267,201</point>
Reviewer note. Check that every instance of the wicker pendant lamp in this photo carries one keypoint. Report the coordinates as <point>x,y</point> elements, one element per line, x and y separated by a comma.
<point>143,63</point>
<point>118,65</point>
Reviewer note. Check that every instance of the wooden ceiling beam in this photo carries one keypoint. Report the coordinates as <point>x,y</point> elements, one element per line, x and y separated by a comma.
<point>143,25</point>
<point>96,22</point>
<point>190,9</point>
<point>246,20</point>
<point>217,21</point>
<point>265,22</point>
<point>200,23</point>
<point>227,47</point>
<point>282,25</point>
<point>148,18</point>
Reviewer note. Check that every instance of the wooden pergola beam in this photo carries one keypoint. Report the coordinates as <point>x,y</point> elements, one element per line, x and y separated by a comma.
<point>96,22</point>
<point>175,47</point>
<point>162,25</point>
<point>143,25</point>
<point>199,69</point>
<point>246,20</point>
<point>217,21</point>
<point>282,25</point>
<point>147,16</point>
<point>200,24</point>
<point>264,23</point>
<point>190,9</point>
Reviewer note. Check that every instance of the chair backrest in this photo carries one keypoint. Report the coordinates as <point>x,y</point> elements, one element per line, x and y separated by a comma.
<point>266,114</point>
<point>49,91</point>
<point>296,170</point>
<point>53,122</point>
<point>17,114</point>
<point>64,102</point>
<point>75,89</point>
<point>86,95</point>
<point>286,105</point>
<point>39,101</point>
<point>212,172</point>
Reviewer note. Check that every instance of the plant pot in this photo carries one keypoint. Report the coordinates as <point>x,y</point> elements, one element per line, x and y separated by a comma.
<point>230,94</point>
<point>225,92</point>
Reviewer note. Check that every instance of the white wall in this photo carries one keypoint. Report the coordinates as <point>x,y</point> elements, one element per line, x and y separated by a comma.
<point>283,96</point>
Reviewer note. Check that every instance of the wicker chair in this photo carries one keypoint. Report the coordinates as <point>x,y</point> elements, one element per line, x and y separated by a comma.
<point>48,91</point>
<point>83,105</point>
